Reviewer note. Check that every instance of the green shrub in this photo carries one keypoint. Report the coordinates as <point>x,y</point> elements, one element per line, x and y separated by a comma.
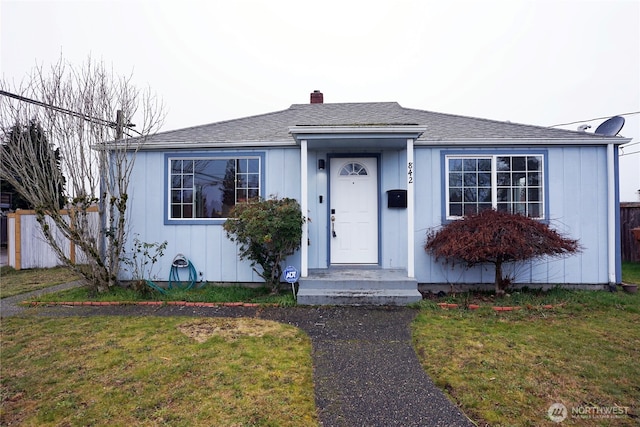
<point>267,232</point>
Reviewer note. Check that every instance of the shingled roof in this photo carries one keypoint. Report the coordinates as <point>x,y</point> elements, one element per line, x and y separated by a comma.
<point>441,128</point>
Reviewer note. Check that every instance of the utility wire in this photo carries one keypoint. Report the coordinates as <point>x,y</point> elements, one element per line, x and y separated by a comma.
<point>597,118</point>
<point>628,154</point>
<point>96,120</point>
<point>623,147</point>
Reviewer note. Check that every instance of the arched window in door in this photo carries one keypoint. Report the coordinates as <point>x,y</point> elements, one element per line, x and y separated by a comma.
<point>353,168</point>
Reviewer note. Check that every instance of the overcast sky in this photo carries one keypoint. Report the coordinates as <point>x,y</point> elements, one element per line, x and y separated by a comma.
<point>535,62</point>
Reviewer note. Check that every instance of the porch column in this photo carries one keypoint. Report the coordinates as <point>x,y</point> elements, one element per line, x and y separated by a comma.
<point>410,210</point>
<point>612,214</point>
<point>304,206</point>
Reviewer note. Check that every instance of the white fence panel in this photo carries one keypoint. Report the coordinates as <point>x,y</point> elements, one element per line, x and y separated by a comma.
<point>11,241</point>
<point>28,248</point>
<point>35,251</point>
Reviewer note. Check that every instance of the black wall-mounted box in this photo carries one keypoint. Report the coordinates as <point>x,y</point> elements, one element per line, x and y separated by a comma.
<point>397,198</point>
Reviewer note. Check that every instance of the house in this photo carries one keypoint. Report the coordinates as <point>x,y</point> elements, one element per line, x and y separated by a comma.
<point>372,179</point>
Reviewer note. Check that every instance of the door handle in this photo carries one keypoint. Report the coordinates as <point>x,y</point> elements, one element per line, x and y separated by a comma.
<point>333,226</point>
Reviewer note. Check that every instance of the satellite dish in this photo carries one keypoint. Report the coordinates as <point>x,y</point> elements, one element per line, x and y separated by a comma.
<point>610,127</point>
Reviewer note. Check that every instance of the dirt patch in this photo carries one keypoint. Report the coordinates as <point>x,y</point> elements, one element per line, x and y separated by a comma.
<point>203,329</point>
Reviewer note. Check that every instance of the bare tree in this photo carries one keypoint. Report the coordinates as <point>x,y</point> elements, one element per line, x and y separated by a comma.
<point>87,114</point>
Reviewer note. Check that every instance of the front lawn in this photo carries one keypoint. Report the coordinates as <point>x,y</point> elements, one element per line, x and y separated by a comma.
<point>14,282</point>
<point>508,368</point>
<point>206,293</point>
<point>501,368</point>
<point>155,371</point>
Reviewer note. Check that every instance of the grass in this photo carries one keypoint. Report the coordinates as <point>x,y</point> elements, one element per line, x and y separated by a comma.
<point>631,272</point>
<point>155,371</point>
<point>15,282</point>
<point>506,369</point>
<point>536,299</point>
<point>207,293</point>
<point>502,369</point>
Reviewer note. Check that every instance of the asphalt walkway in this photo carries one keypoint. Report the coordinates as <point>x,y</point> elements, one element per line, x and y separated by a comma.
<point>366,372</point>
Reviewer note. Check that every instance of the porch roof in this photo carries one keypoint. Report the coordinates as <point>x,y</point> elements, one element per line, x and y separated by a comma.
<point>362,136</point>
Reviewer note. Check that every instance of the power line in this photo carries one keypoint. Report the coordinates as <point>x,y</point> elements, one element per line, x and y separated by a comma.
<point>96,120</point>
<point>59,109</point>
<point>628,154</point>
<point>623,147</point>
<point>629,144</point>
<point>597,118</point>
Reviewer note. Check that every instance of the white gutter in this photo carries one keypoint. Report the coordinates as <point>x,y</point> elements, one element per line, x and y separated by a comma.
<point>479,142</point>
<point>148,146</point>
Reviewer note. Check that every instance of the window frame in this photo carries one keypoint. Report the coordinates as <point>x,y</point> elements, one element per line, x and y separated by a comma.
<point>214,155</point>
<point>493,155</point>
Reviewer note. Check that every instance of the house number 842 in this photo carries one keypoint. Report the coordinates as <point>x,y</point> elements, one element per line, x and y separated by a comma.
<point>410,172</point>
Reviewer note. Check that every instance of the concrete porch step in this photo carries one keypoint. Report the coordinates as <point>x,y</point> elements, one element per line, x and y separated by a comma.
<point>311,296</point>
<point>358,278</point>
<point>358,286</point>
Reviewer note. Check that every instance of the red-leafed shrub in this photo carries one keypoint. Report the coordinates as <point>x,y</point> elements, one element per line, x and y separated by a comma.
<point>496,238</point>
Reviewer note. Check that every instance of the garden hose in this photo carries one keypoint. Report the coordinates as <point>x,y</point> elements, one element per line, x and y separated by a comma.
<point>156,287</point>
<point>180,262</point>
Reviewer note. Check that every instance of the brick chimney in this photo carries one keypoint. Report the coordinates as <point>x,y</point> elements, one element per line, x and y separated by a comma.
<point>317,97</point>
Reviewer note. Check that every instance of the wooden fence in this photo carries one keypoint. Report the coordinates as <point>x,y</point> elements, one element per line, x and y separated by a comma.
<point>629,219</point>
<point>27,246</point>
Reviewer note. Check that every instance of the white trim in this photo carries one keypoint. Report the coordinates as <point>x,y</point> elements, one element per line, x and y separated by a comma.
<point>150,146</point>
<point>534,142</point>
<point>410,211</point>
<point>304,206</point>
<point>611,214</point>
<point>180,145</point>
<point>364,129</point>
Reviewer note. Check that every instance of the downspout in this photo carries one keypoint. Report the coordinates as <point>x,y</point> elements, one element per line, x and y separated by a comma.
<point>611,215</point>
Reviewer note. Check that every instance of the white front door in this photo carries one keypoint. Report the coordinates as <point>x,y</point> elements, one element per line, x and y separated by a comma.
<point>353,214</point>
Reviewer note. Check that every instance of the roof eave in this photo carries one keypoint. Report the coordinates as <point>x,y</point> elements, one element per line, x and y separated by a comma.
<point>175,145</point>
<point>592,140</point>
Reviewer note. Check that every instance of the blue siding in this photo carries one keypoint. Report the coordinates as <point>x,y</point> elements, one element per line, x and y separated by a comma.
<point>577,206</point>
<point>393,221</point>
<point>576,191</point>
<point>318,214</point>
<point>204,244</point>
